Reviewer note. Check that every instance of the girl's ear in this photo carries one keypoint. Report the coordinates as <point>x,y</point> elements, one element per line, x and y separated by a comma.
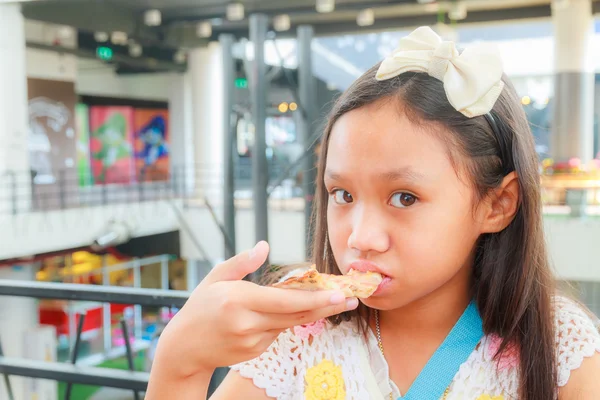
<point>501,205</point>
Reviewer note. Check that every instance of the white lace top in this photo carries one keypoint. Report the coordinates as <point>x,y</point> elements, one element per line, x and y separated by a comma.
<point>321,361</point>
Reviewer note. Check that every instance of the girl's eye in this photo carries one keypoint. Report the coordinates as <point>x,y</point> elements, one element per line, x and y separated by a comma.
<point>402,200</point>
<point>342,197</point>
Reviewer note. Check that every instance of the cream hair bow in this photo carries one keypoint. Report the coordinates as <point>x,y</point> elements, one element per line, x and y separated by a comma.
<point>472,79</point>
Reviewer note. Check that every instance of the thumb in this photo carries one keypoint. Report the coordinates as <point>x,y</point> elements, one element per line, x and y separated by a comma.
<point>240,265</point>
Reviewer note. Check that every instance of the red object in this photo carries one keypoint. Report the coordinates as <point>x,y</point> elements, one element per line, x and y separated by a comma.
<point>58,317</point>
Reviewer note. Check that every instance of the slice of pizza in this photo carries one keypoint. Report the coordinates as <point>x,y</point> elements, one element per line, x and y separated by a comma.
<point>354,284</point>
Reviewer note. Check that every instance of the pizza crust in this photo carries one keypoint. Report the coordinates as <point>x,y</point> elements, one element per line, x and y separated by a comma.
<point>354,284</point>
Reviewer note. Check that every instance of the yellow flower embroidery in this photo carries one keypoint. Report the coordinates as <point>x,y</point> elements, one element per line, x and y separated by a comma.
<point>325,382</point>
<point>488,397</point>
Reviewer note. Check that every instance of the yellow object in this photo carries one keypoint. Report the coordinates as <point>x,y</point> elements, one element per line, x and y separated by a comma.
<point>84,263</point>
<point>283,107</point>
<point>488,397</point>
<point>548,162</point>
<point>325,382</point>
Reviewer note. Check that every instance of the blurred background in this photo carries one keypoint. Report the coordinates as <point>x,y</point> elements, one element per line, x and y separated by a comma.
<point>144,141</point>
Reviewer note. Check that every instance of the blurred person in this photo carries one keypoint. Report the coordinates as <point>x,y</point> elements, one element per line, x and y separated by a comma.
<point>428,175</point>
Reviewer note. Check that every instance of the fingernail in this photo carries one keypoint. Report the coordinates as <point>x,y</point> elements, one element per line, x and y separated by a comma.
<point>352,303</point>
<point>337,298</point>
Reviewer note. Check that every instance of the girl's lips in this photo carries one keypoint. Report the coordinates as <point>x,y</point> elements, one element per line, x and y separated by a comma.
<point>383,285</point>
<point>366,266</point>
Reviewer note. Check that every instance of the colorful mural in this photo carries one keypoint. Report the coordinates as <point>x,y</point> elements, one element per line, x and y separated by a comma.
<point>111,144</point>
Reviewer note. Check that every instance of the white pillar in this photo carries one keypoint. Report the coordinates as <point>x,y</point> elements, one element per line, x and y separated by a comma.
<point>205,68</point>
<point>13,110</point>
<point>573,113</point>
<point>202,146</point>
<point>181,127</point>
<point>18,315</point>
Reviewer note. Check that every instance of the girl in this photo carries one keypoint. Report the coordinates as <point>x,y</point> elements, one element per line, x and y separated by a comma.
<point>427,175</point>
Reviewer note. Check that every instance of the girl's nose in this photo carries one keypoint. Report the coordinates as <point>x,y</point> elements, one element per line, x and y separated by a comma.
<point>369,232</point>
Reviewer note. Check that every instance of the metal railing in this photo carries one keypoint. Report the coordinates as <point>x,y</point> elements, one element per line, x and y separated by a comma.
<point>21,192</point>
<point>73,373</point>
<point>134,265</point>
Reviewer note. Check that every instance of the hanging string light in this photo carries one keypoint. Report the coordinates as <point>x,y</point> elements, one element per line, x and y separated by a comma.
<point>282,22</point>
<point>325,6</point>
<point>458,11</point>
<point>153,17</point>
<point>119,38</point>
<point>235,12</point>
<point>365,17</point>
<point>101,36</point>
<point>204,29</point>
<point>135,49</point>
<point>179,57</point>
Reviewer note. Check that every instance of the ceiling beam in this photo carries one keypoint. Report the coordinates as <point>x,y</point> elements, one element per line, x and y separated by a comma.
<point>240,30</point>
<point>93,16</point>
<point>144,63</point>
<point>271,9</point>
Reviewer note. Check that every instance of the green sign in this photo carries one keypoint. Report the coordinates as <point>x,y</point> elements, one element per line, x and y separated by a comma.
<point>104,53</point>
<point>241,83</point>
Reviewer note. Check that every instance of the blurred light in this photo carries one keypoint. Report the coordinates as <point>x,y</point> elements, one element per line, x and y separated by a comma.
<point>204,29</point>
<point>153,17</point>
<point>458,11</point>
<point>241,83</point>
<point>235,12</point>
<point>293,106</point>
<point>118,37</point>
<point>216,21</point>
<point>65,32</point>
<point>426,1</point>
<point>325,6</point>
<point>365,17</point>
<point>100,36</point>
<point>104,53</point>
<point>179,56</point>
<point>546,100</point>
<point>525,100</point>
<point>283,107</point>
<point>135,50</point>
<point>282,22</point>
<point>574,162</point>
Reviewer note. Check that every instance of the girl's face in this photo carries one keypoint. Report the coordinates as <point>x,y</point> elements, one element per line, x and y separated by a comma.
<point>397,206</point>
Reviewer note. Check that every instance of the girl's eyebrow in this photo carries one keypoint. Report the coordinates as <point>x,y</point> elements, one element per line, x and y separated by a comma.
<point>393,175</point>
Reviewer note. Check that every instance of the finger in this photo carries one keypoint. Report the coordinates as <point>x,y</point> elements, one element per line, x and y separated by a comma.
<point>277,322</point>
<point>289,301</point>
<point>240,265</point>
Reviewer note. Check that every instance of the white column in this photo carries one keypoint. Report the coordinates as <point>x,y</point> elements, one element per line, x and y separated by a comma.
<point>181,120</point>
<point>18,315</point>
<point>573,113</point>
<point>205,68</point>
<point>203,148</point>
<point>13,110</point>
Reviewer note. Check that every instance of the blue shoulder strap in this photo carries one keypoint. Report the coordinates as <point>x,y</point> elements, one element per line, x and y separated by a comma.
<point>441,368</point>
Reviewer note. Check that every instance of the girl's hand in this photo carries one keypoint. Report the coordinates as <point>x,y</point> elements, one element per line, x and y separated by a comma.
<point>227,320</point>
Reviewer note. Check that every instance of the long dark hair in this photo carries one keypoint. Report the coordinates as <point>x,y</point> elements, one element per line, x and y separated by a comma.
<point>513,284</point>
